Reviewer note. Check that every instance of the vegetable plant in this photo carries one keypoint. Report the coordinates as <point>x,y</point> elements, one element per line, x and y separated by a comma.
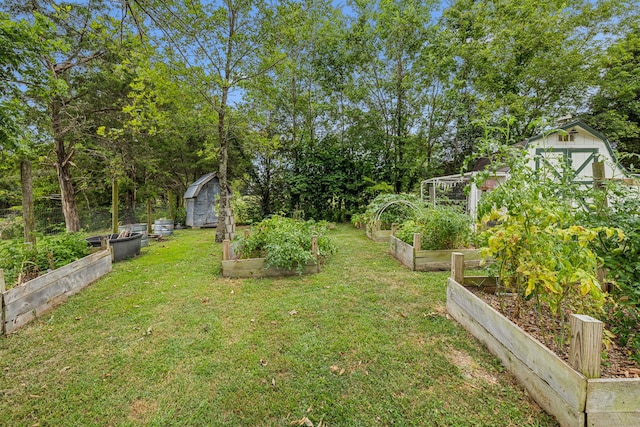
<point>404,209</point>
<point>441,227</point>
<point>285,243</point>
<point>22,262</point>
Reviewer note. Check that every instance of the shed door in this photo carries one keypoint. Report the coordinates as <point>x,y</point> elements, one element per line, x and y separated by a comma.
<point>212,198</point>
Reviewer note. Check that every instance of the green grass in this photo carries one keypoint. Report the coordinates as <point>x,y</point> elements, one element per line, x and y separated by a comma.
<point>364,343</point>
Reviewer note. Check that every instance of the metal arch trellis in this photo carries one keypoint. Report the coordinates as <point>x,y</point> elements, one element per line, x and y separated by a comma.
<point>394,202</point>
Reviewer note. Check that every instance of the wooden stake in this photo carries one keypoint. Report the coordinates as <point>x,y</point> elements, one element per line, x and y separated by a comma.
<point>417,241</point>
<point>457,267</point>
<point>314,246</point>
<point>149,228</point>
<point>3,287</point>
<point>226,248</point>
<point>586,344</point>
<point>114,206</point>
<point>598,178</point>
<point>394,228</point>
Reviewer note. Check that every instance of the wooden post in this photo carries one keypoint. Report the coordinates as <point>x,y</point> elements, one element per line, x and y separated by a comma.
<point>315,251</point>
<point>226,248</point>
<point>172,209</point>
<point>149,228</point>
<point>586,344</point>
<point>417,241</point>
<point>114,206</point>
<point>394,229</point>
<point>457,267</point>
<point>3,288</point>
<point>598,178</point>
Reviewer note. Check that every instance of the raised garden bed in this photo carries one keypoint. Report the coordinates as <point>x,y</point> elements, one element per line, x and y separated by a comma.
<point>429,260</point>
<point>256,267</point>
<point>374,233</point>
<point>32,299</point>
<point>564,392</point>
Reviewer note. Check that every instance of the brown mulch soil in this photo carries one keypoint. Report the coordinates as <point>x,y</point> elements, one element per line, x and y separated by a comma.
<point>541,327</point>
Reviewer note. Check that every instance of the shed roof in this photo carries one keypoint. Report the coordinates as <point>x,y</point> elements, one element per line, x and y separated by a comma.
<point>194,189</point>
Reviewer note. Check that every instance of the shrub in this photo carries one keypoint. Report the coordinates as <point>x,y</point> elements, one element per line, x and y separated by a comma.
<point>246,209</point>
<point>442,227</point>
<point>22,262</point>
<point>285,243</point>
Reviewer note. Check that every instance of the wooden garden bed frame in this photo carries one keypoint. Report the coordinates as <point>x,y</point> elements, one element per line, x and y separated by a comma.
<point>374,233</point>
<point>255,267</point>
<point>30,300</point>
<point>572,393</point>
<point>428,260</point>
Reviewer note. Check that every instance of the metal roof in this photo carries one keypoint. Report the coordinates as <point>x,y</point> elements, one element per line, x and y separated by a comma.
<point>194,189</point>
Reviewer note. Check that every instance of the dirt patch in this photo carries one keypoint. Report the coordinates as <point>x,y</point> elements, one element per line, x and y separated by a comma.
<point>140,410</point>
<point>542,326</point>
<point>470,368</point>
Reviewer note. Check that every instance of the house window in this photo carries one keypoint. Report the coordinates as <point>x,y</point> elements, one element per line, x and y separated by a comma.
<point>567,137</point>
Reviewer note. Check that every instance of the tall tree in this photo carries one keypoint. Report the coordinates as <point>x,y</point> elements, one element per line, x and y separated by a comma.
<point>224,45</point>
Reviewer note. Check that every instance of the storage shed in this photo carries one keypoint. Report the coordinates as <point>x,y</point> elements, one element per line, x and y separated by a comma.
<point>201,201</point>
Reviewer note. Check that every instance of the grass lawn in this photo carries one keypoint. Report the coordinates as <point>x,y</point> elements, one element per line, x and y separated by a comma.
<point>164,340</point>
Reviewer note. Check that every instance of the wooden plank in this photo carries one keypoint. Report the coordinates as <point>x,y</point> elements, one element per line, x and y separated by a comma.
<point>545,395</point>
<point>2,284</point>
<point>423,265</point>
<point>255,267</point>
<point>403,251</point>
<point>568,383</point>
<point>457,267</point>
<point>22,307</point>
<point>445,255</point>
<point>586,345</point>
<point>614,419</point>
<point>616,395</point>
<point>42,281</point>
<point>226,249</point>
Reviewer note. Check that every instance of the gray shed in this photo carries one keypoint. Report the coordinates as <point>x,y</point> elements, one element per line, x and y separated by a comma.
<point>200,201</point>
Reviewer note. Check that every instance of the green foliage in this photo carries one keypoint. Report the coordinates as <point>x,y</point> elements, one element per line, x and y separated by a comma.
<point>246,209</point>
<point>22,262</point>
<point>285,243</point>
<point>620,258</point>
<point>442,227</point>
<point>397,208</point>
<point>543,253</point>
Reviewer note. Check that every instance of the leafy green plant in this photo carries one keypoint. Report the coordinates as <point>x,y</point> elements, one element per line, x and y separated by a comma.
<point>285,243</point>
<point>387,209</point>
<point>620,258</point>
<point>442,227</point>
<point>22,262</point>
<point>246,209</point>
<point>542,253</point>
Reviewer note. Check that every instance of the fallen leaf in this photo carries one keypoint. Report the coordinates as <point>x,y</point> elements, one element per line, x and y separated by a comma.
<point>334,368</point>
<point>263,362</point>
<point>293,312</point>
<point>273,382</point>
<point>65,369</point>
<point>310,409</point>
<point>205,300</point>
<point>341,371</point>
<point>232,292</point>
<point>149,330</point>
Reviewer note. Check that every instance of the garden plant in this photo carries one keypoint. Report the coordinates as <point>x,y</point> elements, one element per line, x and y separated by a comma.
<point>22,262</point>
<point>285,243</point>
<point>441,227</point>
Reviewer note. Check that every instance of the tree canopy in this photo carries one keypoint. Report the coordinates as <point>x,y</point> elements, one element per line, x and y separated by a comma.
<point>309,106</point>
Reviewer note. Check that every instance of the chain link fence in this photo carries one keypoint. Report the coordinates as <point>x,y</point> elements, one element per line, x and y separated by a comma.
<point>49,218</point>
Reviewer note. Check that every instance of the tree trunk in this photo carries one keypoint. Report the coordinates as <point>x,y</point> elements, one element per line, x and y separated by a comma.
<point>226,226</point>
<point>63,170</point>
<point>27,202</point>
